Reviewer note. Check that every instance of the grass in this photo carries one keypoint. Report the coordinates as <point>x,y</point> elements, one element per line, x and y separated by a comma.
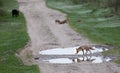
<point>98,24</point>
<point>113,52</point>
<point>13,36</point>
<point>117,61</point>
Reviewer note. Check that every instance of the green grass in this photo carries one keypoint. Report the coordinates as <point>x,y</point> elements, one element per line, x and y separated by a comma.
<point>13,36</point>
<point>117,61</point>
<point>113,52</point>
<point>93,22</point>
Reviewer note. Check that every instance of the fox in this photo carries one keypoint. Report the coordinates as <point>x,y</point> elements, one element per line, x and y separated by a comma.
<point>61,22</point>
<point>83,59</point>
<point>84,47</point>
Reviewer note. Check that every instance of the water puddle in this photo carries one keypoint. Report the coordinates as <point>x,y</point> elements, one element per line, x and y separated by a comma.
<point>67,55</point>
<point>69,51</point>
<point>92,59</point>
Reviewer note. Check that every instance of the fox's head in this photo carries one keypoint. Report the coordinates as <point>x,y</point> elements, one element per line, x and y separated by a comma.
<point>77,50</point>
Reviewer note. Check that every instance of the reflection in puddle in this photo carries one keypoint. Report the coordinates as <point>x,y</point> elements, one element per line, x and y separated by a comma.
<point>92,59</point>
<point>71,50</point>
<point>67,52</point>
<point>59,60</point>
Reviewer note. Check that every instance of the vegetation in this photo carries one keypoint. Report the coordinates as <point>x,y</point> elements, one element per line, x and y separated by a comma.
<point>114,4</point>
<point>118,61</point>
<point>13,36</point>
<point>99,20</point>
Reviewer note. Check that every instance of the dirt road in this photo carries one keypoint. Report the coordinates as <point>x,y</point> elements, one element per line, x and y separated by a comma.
<point>46,34</point>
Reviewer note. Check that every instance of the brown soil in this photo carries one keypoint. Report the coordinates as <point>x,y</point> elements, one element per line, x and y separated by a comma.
<point>46,34</point>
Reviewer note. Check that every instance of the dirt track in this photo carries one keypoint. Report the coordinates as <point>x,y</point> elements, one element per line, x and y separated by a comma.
<point>46,34</point>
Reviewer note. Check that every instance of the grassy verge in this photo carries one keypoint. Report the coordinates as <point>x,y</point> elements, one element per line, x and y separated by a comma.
<point>13,35</point>
<point>98,24</point>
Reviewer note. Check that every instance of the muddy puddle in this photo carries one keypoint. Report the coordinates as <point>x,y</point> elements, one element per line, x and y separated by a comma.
<point>67,55</point>
<point>69,51</point>
<point>93,59</point>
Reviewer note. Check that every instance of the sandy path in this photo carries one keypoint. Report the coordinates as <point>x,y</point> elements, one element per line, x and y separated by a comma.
<point>43,31</point>
<point>45,34</point>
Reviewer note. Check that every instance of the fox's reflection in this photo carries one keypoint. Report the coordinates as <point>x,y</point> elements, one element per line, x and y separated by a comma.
<point>83,59</point>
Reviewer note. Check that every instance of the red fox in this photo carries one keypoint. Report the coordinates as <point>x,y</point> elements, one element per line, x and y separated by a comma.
<point>61,22</point>
<point>84,47</point>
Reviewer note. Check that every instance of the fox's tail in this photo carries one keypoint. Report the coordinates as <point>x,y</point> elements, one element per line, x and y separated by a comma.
<point>92,48</point>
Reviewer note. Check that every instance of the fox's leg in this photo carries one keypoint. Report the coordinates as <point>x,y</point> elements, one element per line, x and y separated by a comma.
<point>90,51</point>
<point>86,51</point>
<point>83,52</point>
